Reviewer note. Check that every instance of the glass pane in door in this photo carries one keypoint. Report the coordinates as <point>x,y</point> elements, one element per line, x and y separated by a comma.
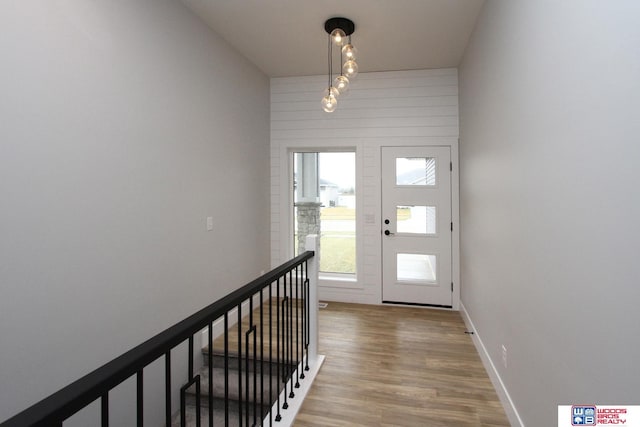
<point>416,219</point>
<point>416,268</point>
<point>416,171</point>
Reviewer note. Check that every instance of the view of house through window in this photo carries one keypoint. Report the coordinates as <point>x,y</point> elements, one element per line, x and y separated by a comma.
<point>325,204</point>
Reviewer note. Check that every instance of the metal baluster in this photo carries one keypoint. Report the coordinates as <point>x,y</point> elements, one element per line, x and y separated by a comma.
<point>104,410</point>
<point>252,329</point>
<point>261,353</point>
<point>183,400</point>
<point>255,377</point>
<point>289,368</point>
<point>197,380</point>
<point>210,363</point>
<point>297,327</point>
<point>270,354</point>
<point>240,364</point>
<point>183,408</point>
<point>191,377</point>
<point>140,403</point>
<point>226,369</point>
<point>308,320</point>
<point>167,388</point>
<point>304,318</point>
<point>190,357</point>
<point>278,416</point>
<point>255,362</point>
<point>285,341</point>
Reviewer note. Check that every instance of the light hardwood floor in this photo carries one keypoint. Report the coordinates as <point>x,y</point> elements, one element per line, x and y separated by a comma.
<point>398,366</point>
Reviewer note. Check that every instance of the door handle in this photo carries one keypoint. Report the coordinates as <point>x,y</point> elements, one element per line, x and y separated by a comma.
<point>388,233</point>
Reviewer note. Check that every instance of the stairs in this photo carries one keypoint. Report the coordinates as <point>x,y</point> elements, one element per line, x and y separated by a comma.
<point>284,294</point>
<point>252,386</point>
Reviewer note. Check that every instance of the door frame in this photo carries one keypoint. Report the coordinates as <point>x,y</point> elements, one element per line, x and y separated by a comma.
<point>368,287</point>
<point>437,294</point>
<point>453,144</point>
<point>285,203</point>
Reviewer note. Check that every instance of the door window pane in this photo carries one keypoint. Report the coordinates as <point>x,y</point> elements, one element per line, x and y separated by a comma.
<point>416,219</point>
<point>416,268</point>
<point>416,171</point>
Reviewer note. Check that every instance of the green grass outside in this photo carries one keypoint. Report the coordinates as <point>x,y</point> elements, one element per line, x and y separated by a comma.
<point>338,252</point>
<point>338,249</point>
<point>342,213</point>
<point>338,213</point>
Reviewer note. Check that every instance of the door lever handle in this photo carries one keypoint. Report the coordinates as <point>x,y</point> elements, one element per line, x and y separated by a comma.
<point>388,233</point>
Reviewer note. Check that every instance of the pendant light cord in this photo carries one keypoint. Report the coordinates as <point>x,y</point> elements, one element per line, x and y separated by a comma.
<point>342,58</point>
<point>330,62</point>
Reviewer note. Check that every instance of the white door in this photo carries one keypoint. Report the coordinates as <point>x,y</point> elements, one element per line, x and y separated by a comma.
<point>416,225</point>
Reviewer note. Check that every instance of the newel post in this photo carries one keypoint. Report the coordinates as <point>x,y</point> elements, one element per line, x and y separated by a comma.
<point>311,244</point>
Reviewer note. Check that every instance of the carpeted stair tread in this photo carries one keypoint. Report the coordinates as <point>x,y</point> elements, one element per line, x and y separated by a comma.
<point>218,385</point>
<point>218,361</point>
<point>218,415</point>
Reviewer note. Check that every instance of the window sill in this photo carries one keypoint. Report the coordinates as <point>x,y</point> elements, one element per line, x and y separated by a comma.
<point>343,281</point>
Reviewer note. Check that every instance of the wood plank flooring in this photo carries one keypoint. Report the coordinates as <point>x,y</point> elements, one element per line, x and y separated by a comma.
<point>398,366</point>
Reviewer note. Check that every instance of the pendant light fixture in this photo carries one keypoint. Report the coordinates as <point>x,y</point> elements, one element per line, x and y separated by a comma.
<point>339,31</point>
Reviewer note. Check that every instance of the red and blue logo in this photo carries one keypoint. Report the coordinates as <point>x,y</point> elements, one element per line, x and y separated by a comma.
<point>583,415</point>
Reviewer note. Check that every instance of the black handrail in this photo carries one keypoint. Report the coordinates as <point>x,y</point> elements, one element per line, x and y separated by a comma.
<point>53,410</point>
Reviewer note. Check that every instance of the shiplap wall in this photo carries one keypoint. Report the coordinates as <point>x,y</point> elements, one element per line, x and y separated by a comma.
<point>398,108</point>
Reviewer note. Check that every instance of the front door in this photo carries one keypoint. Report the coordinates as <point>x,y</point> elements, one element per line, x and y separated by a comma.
<point>416,225</point>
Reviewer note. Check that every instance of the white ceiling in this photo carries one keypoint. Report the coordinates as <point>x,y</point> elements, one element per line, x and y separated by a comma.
<point>287,37</point>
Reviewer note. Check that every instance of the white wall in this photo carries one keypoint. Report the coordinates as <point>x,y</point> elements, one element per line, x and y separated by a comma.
<point>123,125</point>
<point>382,109</point>
<point>550,125</point>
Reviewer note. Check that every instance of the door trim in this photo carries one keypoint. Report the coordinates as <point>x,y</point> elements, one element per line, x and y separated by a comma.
<point>455,218</point>
<point>436,243</point>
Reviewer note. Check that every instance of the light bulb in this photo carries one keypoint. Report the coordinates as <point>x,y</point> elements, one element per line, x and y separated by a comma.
<point>329,103</point>
<point>341,83</point>
<point>331,91</point>
<point>338,37</point>
<point>349,52</point>
<point>350,69</point>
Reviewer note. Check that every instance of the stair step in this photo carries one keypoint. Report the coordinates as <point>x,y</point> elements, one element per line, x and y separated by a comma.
<point>218,386</point>
<point>218,361</point>
<point>218,415</point>
<point>263,327</point>
<point>265,368</point>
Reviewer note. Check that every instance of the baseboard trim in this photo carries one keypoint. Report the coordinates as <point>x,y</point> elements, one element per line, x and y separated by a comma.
<point>501,389</point>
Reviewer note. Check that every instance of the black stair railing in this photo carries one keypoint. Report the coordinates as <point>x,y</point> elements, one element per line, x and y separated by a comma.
<point>265,357</point>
